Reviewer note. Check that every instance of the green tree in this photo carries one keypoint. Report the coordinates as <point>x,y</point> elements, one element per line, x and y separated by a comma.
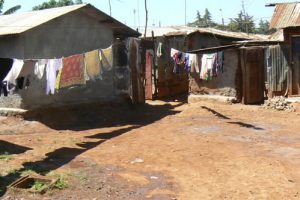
<point>205,21</point>
<point>9,11</point>
<point>264,27</point>
<point>54,4</point>
<point>198,18</point>
<point>243,23</point>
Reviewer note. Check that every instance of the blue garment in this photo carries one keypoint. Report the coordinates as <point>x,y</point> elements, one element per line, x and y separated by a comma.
<point>187,66</point>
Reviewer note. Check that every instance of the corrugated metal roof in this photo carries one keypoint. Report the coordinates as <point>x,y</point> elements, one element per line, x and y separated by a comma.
<point>21,22</point>
<point>168,30</point>
<point>277,36</point>
<point>286,15</point>
<point>229,34</point>
<point>185,30</point>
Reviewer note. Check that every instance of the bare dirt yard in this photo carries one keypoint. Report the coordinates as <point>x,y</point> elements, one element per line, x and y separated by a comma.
<point>161,150</point>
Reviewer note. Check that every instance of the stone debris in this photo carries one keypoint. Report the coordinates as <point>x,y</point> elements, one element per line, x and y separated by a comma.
<point>279,103</point>
<point>137,160</point>
<point>153,177</point>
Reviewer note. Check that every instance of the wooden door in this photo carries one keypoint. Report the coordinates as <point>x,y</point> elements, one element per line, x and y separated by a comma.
<point>252,62</point>
<point>296,65</point>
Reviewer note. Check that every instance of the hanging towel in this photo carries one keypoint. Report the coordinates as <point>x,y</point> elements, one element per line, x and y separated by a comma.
<point>159,52</point>
<point>72,72</point>
<point>92,64</point>
<point>106,58</point>
<point>57,83</point>
<point>27,69</point>
<point>208,61</point>
<point>40,68</point>
<point>14,72</point>
<point>193,61</point>
<point>53,66</point>
<point>173,52</point>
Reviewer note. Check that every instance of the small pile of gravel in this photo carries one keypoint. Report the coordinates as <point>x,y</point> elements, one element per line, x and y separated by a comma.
<point>278,103</point>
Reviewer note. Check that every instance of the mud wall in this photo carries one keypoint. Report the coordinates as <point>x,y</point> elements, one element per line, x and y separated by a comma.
<point>224,84</point>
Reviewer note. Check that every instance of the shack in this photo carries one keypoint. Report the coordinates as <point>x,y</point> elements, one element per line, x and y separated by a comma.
<point>286,18</point>
<point>60,33</point>
<point>191,40</point>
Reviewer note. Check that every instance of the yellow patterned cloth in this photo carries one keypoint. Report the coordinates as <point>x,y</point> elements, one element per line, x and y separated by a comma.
<point>58,79</point>
<point>92,64</point>
<point>106,58</point>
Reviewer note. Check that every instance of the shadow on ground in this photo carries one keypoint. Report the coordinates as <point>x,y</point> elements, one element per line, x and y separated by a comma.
<point>10,148</point>
<point>245,125</point>
<point>85,117</point>
<point>241,124</point>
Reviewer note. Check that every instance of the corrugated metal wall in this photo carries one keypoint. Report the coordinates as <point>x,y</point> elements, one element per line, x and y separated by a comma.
<point>277,67</point>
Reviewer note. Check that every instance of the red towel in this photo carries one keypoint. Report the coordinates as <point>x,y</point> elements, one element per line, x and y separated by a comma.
<point>72,72</point>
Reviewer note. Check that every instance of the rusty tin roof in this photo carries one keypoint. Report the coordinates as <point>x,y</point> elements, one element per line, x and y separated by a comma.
<point>286,15</point>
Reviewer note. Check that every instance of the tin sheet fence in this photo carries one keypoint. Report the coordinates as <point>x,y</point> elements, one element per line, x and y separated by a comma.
<point>277,67</point>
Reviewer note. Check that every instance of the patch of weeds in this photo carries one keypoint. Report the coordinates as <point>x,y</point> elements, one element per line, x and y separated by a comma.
<point>38,186</point>
<point>5,157</point>
<point>61,183</point>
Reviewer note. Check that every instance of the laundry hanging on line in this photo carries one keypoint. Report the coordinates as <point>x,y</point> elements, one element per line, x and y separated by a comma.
<point>206,65</point>
<point>59,73</point>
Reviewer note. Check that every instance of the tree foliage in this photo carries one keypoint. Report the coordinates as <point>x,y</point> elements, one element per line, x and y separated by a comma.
<point>10,10</point>
<point>205,21</point>
<point>54,4</point>
<point>264,27</point>
<point>242,23</point>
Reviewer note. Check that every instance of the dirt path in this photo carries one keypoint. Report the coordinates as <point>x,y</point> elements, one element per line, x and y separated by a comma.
<point>162,150</point>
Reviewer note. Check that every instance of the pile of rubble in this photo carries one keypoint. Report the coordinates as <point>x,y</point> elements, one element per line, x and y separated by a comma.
<point>279,103</point>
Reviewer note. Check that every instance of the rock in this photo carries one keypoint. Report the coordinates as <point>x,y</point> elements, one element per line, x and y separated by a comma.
<point>137,160</point>
<point>278,103</point>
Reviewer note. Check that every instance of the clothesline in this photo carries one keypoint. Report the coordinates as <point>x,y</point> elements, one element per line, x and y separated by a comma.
<point>206,65</point>
<point>35,59</point>
<point>60,72</point>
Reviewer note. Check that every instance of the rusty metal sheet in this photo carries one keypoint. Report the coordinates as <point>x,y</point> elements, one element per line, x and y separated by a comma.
<point>277,66</point>
<point>286,15</point>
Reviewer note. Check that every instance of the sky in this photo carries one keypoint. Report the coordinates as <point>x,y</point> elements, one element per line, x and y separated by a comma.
<point>169,12</point>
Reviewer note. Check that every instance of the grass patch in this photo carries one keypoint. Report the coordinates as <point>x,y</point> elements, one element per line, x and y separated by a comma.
<point>5,157</point>
<point>61,183</point>
<point>38,186</point>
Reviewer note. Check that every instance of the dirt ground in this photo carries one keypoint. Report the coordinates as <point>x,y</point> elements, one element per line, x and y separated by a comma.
<point>161,150</point>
